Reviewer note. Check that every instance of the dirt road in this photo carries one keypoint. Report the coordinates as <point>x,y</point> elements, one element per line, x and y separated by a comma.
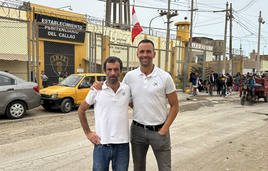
<point>210,133</point>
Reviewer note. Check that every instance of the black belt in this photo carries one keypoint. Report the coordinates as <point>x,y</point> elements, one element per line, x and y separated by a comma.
<point>110,145</point>
<point>150,127</point>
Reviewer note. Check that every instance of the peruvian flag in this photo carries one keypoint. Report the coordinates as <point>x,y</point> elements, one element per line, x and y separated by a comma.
<point>136,29</point>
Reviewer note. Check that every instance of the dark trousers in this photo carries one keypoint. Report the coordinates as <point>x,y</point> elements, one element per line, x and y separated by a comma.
<point>219,89</point>
<point>141,139</point>
<point>44,83</point>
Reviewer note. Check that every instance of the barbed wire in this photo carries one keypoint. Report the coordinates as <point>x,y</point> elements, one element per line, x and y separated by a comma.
<point>11,3</point>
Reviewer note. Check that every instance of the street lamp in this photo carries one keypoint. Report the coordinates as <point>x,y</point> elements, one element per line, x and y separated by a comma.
<point>151,22</point>
<point>68,7</point>
<point>264,49</point>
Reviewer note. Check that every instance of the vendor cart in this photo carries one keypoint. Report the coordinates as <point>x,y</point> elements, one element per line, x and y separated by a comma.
<point>260,91</point>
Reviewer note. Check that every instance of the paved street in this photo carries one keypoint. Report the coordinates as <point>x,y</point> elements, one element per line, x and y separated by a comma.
<point>210,133</point>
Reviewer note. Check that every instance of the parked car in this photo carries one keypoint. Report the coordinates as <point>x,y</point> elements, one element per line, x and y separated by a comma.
<point>17,95</point>
<point>70,92</point>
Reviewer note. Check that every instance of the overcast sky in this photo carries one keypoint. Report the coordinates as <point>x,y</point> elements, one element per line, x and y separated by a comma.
<point>206,22</point>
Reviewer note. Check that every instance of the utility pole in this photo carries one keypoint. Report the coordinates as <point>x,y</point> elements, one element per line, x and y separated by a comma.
<point>167,37</point>
<point>188,49</point>
<point>191,34</point>
<point>231,41</point>
<point>225,37</point>
<point>169,13</point>
<point>259,41</point>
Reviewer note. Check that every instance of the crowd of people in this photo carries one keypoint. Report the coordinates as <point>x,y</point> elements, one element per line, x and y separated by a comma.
<point>223,84</point>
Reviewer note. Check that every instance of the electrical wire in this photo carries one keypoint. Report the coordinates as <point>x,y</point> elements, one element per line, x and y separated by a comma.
<point>209,24</point>
<point>245,19</point>
<point>244,26</point>
<point>251,3</point>
<point>198,3</point>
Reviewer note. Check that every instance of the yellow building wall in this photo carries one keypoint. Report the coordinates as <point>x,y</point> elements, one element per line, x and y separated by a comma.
<point>182,36</point>
<point>13,13</point>
<point>79,48</point>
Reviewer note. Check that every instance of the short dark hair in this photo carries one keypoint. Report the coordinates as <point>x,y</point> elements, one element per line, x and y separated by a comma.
<point>146,41</point>
<point>113,59</point>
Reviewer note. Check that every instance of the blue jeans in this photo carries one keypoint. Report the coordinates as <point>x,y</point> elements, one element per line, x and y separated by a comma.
<point>211,89</point>
<point>117,153</point>
<point>141,139</point>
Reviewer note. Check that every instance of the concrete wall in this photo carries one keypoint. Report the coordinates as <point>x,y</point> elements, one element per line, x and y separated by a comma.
<point>265,65</point>
<point>13,44</point>
<point>18,68</point>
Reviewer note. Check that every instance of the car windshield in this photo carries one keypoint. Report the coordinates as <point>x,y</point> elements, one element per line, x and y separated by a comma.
<point>71,81</point>
<point>101,78</point>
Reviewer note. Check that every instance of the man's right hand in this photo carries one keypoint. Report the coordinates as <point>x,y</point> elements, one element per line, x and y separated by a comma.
<point>93,137</point>
<point>97,85</point>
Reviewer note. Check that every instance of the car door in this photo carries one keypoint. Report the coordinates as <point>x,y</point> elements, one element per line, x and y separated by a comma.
<point>83,88</point>
<point>7,91</point>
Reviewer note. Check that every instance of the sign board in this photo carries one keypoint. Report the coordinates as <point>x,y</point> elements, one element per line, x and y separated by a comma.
<point>60,29</point>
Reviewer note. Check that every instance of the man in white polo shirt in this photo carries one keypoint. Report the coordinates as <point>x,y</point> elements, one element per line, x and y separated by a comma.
<point>111,139</point>
<point>151,89</point>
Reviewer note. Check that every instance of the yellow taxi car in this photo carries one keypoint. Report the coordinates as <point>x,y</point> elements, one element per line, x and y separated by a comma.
<point>70,92</point>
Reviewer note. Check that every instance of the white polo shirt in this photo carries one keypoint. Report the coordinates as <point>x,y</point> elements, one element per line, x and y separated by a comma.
<point>111,113</point>
<point>149,95</point>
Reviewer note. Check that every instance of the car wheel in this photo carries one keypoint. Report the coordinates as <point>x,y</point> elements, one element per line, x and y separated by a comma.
<point>66,105</point>
<point>16,110</point>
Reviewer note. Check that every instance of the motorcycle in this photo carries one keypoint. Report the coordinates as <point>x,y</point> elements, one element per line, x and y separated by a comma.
<point>247,95</point>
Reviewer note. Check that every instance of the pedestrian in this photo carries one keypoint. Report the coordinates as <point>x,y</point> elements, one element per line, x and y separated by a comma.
<point>211,82</point>
<point>229,83</point>
<point>195,83</point>
<point>219,83</point>
<point>44,79</point>
<point>224,86</point>
<point>151,88</point>
<point>191,81</point>
<point>237,81</point>
<point>111,139</point>
<point>251,82</point>
<point>65,74</point>
<point>60,77</point>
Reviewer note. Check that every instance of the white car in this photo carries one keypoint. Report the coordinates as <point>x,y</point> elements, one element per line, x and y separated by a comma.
<point>17,96</point>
